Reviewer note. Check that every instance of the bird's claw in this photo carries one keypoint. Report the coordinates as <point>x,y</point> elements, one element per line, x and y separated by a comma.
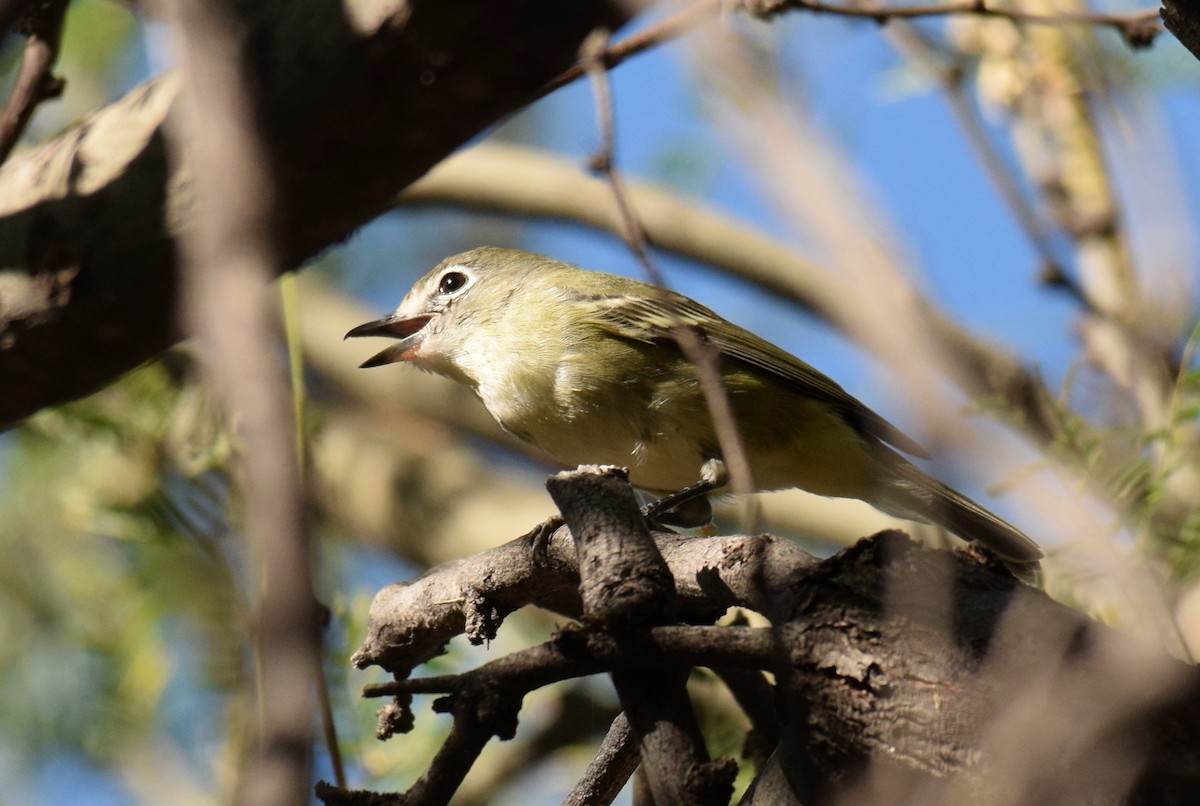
<point>539,539</point>
<point>689,508</point>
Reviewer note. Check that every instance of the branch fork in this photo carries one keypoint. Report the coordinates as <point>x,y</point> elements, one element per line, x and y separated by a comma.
<point>895,671</point>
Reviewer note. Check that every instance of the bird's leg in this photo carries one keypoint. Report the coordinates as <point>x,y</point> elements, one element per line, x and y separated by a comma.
<point>688,507</point>
<point>539,538</point>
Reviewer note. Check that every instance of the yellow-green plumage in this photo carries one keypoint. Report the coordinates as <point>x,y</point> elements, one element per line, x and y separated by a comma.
<point>584,365</point>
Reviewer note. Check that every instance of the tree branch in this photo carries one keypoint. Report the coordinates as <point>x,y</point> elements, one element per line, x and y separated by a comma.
<point>626,586</point>
<point>611,768</point>
<point>88,221</point>
<point>888,696</point>
<point>1138,28</point>
<point>35,81</point>
<point>411,622</point>
<point>229,262</point>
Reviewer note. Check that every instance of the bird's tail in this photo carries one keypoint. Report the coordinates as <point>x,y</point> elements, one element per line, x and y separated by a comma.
<point>914,495</point>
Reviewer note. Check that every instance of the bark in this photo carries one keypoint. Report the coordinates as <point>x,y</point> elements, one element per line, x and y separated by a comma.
<point>1182,18</point>
<point>903,674</point>
<point>355,101</point>
<point>626,586</point>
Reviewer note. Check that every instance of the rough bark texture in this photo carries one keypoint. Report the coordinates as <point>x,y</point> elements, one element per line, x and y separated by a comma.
<point>623,577</point>
<point>916,679</point>
<point>625,587</point>
<point>357,99</point>
<point>904,675</point>
<point>1182,18</point>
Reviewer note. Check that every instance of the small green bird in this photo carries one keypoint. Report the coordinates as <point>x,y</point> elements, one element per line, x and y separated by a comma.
<point>584,365</point>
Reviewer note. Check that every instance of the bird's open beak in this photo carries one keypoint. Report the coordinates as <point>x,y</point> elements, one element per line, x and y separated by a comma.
<point>392,327</point>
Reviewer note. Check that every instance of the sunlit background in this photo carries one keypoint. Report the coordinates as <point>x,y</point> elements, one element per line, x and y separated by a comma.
<point>123,668</point>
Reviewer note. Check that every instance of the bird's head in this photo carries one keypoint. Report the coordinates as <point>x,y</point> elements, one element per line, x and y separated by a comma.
<point>453,314</point>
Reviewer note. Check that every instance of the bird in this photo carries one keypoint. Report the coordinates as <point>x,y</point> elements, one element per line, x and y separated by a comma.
<point>587,367</point>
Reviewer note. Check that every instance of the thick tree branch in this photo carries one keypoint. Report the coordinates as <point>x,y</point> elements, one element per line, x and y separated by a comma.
<point>1182,18</point>
<point>626,586</point>
<point>411,622</point>
<point>901,674</point>
<point>356,100</point>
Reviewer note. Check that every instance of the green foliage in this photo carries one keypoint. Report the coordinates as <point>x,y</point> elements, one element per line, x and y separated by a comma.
<point>115,550</point>
<point>1145,475</point>
<point>1148,474</point>
<point>96,35</point>
<point>1169,510</point>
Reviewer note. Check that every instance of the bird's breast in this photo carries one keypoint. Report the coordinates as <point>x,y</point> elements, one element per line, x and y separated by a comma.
<point>626,407</point>
<point>637,408</point>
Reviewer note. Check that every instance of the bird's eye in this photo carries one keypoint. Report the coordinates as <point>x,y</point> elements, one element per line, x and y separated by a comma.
<point>451,281</point>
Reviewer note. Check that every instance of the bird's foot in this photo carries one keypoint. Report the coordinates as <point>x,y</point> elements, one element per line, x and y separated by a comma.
<point>689,508</point>
<point>539,539</point>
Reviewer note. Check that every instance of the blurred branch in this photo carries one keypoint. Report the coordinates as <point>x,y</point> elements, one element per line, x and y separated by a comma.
<point>229,262</point>
<point>1048,92</point>
<point>953,78</point>
<point>1052,91</point>
<point>43,24</point>
<point>1050,97</point>
<point>10,12</point>
<point>1052,273</point>
<point>702,356</point>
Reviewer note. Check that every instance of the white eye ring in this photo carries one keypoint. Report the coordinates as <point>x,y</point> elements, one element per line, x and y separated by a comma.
<point>454,280</point>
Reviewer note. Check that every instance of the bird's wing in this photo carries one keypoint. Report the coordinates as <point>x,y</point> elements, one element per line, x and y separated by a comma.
<point>653,319</point>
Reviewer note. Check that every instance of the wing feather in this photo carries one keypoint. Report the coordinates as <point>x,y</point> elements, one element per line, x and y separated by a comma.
<point>652,319</point>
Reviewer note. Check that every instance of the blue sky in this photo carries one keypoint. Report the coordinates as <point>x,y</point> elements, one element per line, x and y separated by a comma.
<point>909,151</point>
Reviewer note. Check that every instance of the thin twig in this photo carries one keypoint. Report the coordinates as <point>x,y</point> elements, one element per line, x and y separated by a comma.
<point>291,313</point>
<point>705,359</point>
<point>583,652</point>
<point>35,80</point>
<point>329,726</point>
<point>673,27</point>
<point>1138,28</point>
<point>607,774</point>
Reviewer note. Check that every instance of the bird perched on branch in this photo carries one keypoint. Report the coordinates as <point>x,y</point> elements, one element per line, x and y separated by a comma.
<point>587,367</point>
